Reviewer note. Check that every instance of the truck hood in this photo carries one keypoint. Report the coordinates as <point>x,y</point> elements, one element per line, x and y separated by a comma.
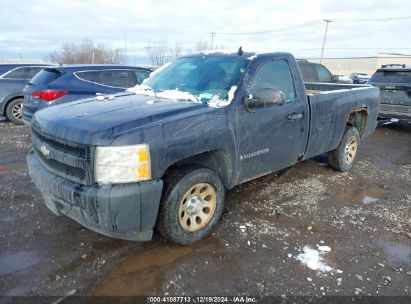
<point>99,122</point>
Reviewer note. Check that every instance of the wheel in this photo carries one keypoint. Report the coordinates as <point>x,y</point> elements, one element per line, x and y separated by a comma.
<point>344,157</point>
<point>192,204</point>
<point>14,111</point>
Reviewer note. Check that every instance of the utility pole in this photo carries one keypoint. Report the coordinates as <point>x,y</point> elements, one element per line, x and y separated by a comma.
<point>325,37</point>
<point>212,39</point>
<point>125,47</point>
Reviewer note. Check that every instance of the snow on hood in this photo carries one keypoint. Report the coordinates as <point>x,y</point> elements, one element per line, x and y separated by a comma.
<point>313,259</point>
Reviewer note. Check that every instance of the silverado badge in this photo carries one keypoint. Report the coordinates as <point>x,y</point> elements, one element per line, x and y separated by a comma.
<point>45,151</point>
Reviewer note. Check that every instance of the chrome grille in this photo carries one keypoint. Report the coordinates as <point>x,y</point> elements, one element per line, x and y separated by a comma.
<point>69,160</point>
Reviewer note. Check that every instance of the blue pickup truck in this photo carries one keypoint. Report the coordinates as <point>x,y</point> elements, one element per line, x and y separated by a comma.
<point>163,154</point>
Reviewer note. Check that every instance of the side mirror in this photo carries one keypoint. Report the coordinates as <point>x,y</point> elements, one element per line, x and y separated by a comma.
<point>261,98</point>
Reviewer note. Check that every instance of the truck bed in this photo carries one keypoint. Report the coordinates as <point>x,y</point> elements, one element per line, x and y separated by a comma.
<point>330,108</point>
<point>316,87</point>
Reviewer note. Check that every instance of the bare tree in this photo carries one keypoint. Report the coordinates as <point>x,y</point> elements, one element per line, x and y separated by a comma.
<point>157,53</point>
<point>87,52</point>
<point>161,53</point>
<point>201,45</point>
<point>177,50</point>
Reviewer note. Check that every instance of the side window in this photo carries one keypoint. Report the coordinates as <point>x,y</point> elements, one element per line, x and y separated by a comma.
<point>273,80</point>
<point>112,78</point>
<point>115,78</point>
<point>309,73</point>
<point>33,71</point>
<point>323,74</point>
<point>141,75</point>
<point>88,76</point>
<point>19,73</point>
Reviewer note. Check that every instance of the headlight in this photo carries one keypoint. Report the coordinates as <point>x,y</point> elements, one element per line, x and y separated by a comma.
<point>122,164</point>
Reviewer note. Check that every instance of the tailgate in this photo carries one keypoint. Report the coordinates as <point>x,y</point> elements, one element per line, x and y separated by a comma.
<point>395,94</point>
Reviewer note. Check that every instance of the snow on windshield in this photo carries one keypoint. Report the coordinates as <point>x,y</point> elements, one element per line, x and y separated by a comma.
<point>210,80</point>
<point>141,89</point>
<point>213,102</point>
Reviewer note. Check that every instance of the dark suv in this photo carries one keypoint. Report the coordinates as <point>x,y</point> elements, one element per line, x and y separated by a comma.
<point>394,81</point>
<point>13,78</point>
<point>62,84</point>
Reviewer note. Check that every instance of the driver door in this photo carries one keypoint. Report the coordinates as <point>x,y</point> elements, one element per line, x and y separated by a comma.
<point>271,135</point>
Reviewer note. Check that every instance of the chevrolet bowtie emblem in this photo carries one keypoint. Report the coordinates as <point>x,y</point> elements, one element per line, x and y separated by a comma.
<point>45,151</point>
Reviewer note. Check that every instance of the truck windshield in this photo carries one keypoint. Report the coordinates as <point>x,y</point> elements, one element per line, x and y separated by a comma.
<point>205,78</point>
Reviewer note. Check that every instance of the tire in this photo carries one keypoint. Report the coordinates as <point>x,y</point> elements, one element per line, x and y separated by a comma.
<point>14,111</point>
<point>344,157</point>
<point>192,204</point>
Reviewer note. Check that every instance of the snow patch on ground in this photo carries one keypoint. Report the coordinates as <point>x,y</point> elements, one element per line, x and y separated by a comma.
<point>313,259</point>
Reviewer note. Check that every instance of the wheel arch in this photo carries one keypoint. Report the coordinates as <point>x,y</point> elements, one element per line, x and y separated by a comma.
<point>7,100</point>
<point>358,118</point>
<point>217,160</point>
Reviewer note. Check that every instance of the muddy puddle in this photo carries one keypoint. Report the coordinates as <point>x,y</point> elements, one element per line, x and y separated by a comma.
<point>7,218</point>
<point>15,262</point>
<point>145,269</point>
<point>397,253</point>
<point>366,196</point>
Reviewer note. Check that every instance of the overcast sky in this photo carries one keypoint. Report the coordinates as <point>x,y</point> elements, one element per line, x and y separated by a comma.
<point>31,29</point>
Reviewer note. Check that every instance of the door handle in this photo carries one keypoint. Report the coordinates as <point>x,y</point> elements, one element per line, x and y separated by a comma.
<point>295,116</point>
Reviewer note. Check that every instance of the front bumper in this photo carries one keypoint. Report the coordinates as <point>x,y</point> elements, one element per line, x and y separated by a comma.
<point>122,211</point>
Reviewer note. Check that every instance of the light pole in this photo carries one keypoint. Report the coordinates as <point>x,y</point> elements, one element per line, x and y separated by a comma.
<point>325,37</point>
<point>212,34</point>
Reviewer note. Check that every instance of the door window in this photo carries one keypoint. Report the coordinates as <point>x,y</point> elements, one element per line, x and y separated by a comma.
<point>272,79</point>
<point>111,78</point>
<point>19,73</point>
<point>141,75</point>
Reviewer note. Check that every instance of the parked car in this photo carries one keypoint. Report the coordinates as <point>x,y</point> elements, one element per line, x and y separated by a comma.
<point>13,78</point>
<point>360,77</point>
<point>394,81</point>
<point>316,72</point>
<point>164,154</point>
<point>66,83</point>
<point>339,78</point>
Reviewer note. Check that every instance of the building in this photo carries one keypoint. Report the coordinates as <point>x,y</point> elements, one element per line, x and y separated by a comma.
<point>346,66</point>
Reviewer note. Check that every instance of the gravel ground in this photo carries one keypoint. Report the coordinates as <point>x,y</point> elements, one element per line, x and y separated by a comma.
<point>357,224</point>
